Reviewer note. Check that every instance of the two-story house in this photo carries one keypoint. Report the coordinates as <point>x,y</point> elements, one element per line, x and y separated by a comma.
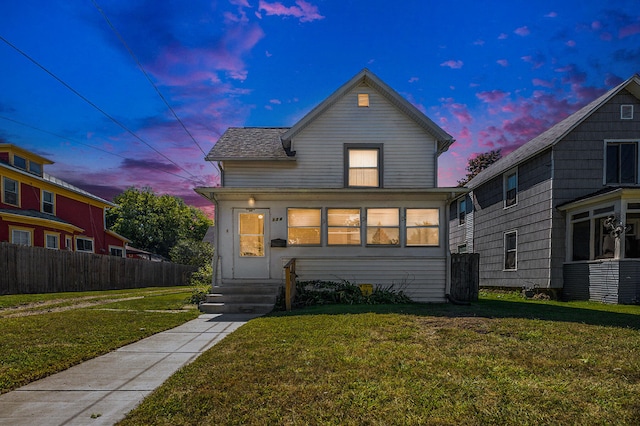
<point>350,191</point>
<point>37,209</point>
<point>562,212</point>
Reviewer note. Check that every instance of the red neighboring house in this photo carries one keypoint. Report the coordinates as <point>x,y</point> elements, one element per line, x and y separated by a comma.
<point>37,209</point>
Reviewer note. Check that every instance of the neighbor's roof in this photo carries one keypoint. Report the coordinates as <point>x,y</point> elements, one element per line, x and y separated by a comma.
<point>249,143</point>
<point>34,214</point>
<point>553,135</point>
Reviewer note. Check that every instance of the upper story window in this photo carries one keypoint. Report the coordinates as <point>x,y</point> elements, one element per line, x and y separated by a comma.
<point>363,166</point>
<point>462,211</point>
<point>10,191</point>
<point>511,188</point>
<point>35,168</point>
<point>20,162</point>
<point>510,251</point>
<point>363,99</point>
<point>626,112</point>
<point>621,162</point>
<point>48,202</point>
<point>343,227</point>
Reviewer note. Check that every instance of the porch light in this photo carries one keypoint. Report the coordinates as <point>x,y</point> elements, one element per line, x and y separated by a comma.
<point>252,201</point>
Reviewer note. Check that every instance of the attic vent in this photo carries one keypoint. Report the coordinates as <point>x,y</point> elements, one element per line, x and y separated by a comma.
<point>626,112</point>
<point>363,99</point>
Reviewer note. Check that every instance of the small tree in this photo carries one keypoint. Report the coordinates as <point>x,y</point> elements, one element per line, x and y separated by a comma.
<point>479,163</point>
<point>192,252</point>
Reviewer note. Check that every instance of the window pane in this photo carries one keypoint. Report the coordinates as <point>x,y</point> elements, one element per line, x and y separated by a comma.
<point>304,217</point>
<point>581,236</point>
<point>363,158</point>
<point>422,217</point>
<point>383,217</point>
<point>628,165</point>
<point>35,168</point>
<point>343,217</point>
<point>383,236</point>
<point>423,237</point>
<point>11,191</point>
<point>605,244</point>
<point>251,246</point>
<point>344,236</point>
<point>19,162</point>
<point>21,237</point>
<point>52,241</point>
<point>363,177</point>
<point>251,223</point>
<point>304,236</point>
<point>251,237</point>
<point>612,163</point>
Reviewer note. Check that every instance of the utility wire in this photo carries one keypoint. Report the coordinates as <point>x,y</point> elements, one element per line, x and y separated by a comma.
<point>135,58</point>
<point>84,144</point>
<point>94,105</point>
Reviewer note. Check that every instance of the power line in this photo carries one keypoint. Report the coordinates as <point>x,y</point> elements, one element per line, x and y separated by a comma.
<point>84,144</point>
<point>94,105</point>
<point>146,75</point>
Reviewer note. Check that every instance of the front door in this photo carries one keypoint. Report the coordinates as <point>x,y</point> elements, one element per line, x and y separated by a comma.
<point>251,257</point>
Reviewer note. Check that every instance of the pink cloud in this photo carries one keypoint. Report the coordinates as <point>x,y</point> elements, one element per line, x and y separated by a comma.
<point>478,43</point>
<point>492,96</point>
<point>461,112</point>
<point>304,11</point>
<point>503,36</point>
<point>543,83</point>
<point>596,25</point>
<point>605,36</point>
<point>503,62</point>
<point>522,31</point>
<point>551,15</point>
<point>571,43</point>
<point>413,79</point>
<point>452,64</point>
<point>275,101</point>
<point>629,30</point>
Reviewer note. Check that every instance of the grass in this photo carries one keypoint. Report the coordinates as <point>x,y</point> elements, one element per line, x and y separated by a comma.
<point>44,334</point>
<point>503,360</point>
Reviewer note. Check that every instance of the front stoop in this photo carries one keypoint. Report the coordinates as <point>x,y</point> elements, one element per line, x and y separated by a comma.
<point>241,298</point>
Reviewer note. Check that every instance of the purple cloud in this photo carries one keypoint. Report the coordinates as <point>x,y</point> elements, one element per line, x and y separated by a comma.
<point>492,96</point>
<point>452,64</point>
<point>629,30</point>
<point>522,31</point>
<point>503,62</point>
<point>305,12</point>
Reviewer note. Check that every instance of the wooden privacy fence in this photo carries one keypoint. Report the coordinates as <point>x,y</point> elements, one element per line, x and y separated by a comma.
<point>465,279</point>
<point>40,270</point>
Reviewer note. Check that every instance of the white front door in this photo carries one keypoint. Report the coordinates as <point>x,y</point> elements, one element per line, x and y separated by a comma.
<point>251,243</point>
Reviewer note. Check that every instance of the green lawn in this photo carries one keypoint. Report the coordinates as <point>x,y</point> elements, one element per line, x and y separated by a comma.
<point>503,360</point>
<point>43,334</point>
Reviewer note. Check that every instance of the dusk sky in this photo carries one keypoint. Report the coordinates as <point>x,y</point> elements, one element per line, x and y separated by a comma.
<point>96,86</point>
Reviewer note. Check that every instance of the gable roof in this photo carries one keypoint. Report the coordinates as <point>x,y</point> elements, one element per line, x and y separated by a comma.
<point>552,135</point>
<point>250,143</point>
<point>367,77</point>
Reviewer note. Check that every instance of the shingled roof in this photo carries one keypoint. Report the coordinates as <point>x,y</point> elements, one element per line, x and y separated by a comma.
<point>553,135</point>
<point>250,143</point>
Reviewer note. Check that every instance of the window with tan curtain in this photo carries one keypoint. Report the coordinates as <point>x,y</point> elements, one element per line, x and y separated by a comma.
<point>423,227</point>
<point>363,167</point>
<point>303,227</point>
<point>343,227</point>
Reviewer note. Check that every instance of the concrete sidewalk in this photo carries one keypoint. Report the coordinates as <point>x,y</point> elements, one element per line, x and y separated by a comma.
<point>103,390</point>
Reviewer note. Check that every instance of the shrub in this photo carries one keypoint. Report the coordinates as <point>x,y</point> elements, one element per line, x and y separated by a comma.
<point>201,281</point>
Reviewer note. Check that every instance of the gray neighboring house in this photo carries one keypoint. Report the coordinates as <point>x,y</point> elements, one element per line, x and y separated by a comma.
<point>562,212</point>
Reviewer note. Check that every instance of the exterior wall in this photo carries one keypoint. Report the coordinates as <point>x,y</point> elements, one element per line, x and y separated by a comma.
<point>461,234</point>
<point>530,218</point>
<point>608,281</point>
<point>408,152</point>
<point>419,271</point>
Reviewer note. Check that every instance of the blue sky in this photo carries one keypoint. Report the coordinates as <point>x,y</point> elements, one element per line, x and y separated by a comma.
<point>492,74</point>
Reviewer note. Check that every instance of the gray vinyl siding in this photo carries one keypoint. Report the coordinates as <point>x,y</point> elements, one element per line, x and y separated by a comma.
<point>610,281</point>
<point>530,218</point>
<point>629,287</point>
<point>408,151</point>
<point>461,234</point>
<point>421,279</point>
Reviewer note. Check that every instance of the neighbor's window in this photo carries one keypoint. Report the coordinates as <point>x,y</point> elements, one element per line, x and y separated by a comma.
<point>10,191</point>
<point>423,227</point>
<point>303,227</point>
<point>363,167</point>
<point>343,227</point>
<point>383,227</point>
<point>510,250</point>
<point>20,162</point>
<point>462,211</point>
<point>48,202</point>
<point>581,238</point>
<point>52,241</point>
<point>84,244</point>
<point>510,188</point>
<point>21,237</point>
<point>116,251</point>
<point>622,162</point>
<point>626,112</point>
<point>35,168</point>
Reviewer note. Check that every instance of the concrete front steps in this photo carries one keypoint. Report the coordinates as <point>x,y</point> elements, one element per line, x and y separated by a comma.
<point>241,298</point>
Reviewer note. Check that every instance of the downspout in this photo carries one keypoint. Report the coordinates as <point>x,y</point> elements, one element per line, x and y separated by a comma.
<point>215,266</point>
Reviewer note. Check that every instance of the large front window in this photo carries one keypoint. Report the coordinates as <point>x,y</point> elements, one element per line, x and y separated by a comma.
<point>422,227</point>
<point>383,227</point>
<point>362,168</point>
<point>343,227</point>
<point>621,162</point>
<point>303,227</point>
